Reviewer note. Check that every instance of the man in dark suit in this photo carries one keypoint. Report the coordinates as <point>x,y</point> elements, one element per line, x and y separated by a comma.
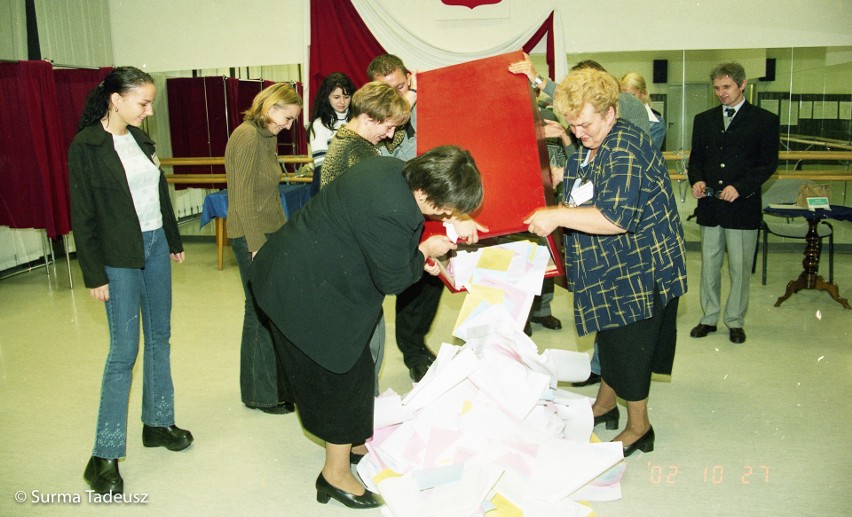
<point>734,151</point>
<point>417,306</point>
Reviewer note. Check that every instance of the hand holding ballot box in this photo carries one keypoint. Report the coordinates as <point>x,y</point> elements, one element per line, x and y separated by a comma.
<point>492,113</point>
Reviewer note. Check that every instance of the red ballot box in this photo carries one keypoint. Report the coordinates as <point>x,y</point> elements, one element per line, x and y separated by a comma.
<point>492,113</point>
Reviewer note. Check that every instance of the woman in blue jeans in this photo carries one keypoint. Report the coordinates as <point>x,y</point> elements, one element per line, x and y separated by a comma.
<point>125,234</point>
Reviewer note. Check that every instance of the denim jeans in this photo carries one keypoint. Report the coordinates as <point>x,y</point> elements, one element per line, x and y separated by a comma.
<point>596,360</point>
<point>262,379</point>
<point>133,291</point>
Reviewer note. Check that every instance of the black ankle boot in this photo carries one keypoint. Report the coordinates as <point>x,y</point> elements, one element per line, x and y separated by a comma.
<point>102,476</point>
<point>172,437</point>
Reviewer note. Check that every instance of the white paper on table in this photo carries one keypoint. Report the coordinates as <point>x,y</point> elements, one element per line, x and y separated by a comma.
<point>563,467</point>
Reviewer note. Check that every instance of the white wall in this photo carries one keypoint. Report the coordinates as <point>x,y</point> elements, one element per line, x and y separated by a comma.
<point>13,28</point>
<point>189,34</point>
<point>163,35</point>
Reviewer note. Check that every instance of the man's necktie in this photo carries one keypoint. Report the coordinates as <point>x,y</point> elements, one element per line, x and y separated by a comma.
<point>729,115</point>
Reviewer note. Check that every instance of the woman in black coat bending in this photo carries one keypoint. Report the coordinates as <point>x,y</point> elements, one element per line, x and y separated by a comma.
<point>322,279</point>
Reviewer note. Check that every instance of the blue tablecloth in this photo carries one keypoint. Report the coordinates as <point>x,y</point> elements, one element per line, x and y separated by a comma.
<point>293,197</point>
<point>838,212</point>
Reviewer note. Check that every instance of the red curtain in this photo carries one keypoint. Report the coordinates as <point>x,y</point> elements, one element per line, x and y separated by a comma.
<point>33,155</point>
<point>73,86</point>
<point>546,28</point>
<point>340,42</point>
<point>343,43</point>
<point>204,111</point>
<point>198,123</point>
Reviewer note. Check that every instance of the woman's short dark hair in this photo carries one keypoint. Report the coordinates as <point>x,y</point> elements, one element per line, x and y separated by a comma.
<point>119,80</point>
<point>322,108</point>
<point>448,176</point>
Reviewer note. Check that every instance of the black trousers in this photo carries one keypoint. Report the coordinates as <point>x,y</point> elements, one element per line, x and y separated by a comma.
<point>415,311</point>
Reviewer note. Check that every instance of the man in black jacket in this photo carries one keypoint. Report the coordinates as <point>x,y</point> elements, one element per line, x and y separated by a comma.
<point>734,151</point>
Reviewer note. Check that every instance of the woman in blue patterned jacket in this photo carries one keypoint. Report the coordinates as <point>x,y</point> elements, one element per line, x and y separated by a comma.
<point>624,247</point>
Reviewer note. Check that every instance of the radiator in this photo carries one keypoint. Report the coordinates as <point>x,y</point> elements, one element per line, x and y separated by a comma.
<point>188,202</point>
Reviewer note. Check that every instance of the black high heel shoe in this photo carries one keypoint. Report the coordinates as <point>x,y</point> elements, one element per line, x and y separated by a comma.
<point>325,492</point>
<point>610,418</point>
<point>645,443</point>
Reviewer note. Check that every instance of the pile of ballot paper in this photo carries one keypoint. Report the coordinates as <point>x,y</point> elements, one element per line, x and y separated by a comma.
<point>487,430</point>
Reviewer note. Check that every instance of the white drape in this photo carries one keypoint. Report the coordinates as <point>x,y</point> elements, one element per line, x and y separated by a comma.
<point>418,53</point>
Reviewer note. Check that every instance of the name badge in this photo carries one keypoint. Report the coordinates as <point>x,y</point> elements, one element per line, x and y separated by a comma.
<point>582,192</point>
<point>155,160</point>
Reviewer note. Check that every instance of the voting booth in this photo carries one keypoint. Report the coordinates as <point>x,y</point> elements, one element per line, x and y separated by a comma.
<point>482,107</point>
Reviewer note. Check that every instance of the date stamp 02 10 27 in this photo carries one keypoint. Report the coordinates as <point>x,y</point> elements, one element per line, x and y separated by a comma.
<point>716,475</point>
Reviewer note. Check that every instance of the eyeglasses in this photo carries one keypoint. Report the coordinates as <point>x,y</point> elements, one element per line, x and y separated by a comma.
<point>709,192</point>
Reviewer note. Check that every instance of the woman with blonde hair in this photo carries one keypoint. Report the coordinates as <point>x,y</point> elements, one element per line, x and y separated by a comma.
<point>377,111</point>
<point>624,250</point>
<point>635,85</point>
<point>254,212</point>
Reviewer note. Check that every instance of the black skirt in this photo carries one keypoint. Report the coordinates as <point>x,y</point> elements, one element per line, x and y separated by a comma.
<point>631,353</point>
<point>337,408</point>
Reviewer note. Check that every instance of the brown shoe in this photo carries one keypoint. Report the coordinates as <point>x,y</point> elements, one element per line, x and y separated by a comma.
<point>702,330</point>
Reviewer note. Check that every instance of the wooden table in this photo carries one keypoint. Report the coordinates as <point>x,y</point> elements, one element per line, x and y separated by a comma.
<point>808,278</point>
<point>293,197</point>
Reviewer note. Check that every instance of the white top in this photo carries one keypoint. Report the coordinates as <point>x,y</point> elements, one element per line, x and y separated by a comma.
<point>143,178</point>
<point>321,136</point>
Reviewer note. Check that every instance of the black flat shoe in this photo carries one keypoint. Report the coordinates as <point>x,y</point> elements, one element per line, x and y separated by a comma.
<point>418,371</point>
<point>610,418</point>
<point>593,379</point>
<point>172,437</point>
<point>645,443</point>
<point>737,335</point>
<point>549,322</point>
<point>102,476</point>
<point>702,330</point>
<point>284,408</point>
<point>325,492</point>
